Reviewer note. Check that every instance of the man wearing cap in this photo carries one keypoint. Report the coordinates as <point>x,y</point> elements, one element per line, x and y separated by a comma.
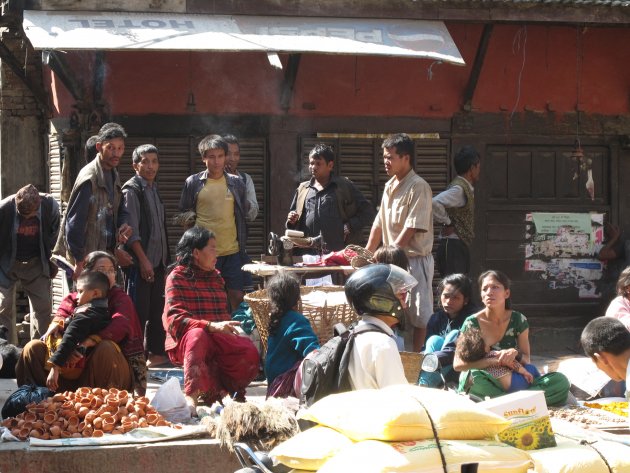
<point>29,224</point>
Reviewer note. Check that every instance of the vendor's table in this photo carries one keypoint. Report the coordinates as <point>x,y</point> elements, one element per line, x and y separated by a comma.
<point>266,270</point>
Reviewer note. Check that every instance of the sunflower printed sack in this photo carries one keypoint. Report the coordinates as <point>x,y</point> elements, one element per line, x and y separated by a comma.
<point>527,411</point>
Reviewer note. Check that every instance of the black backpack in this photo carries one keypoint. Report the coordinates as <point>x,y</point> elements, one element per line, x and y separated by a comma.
<point>327,371</point>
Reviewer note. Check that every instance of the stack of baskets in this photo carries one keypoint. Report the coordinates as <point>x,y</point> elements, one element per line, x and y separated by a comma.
<point>322,318</point>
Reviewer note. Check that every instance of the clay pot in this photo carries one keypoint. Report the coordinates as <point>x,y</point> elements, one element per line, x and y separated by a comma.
<point>97,433</point>
<point>90,416</point>
<point>55,430</point>
<point>36,433</point>
<point>67,405</point>
<point>143,422</point>
<point>152,419</point>
<point>45,436</point>
<point>83,411</point>
<point>113,403</point>
<point>84,391</point>
<point>73,421</point>
<point>117,432</point>
<point>10,423</point>
<point>108,424</point>
<point>162,422</point>
<point>98,423</point>
<point>58,397</point>
<point>65,434</point>
<point>127,426</point>
<point>39,424</point>
<point>87,432</point>
<point>50,417</point>
<point>114,391</point>
<point>123,396</point>
<point>81,426</point>
<point>27,425</point>
<point>121,412</point>
<point>133,417</point>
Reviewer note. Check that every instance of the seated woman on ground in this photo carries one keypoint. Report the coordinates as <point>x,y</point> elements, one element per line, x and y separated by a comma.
<point>472,347</point>
<point>619,307</point>
<point>199,333</point>
<point>507,332</point>
<point>443,328</point>
<point>113,358</point>
<point>291,336</point>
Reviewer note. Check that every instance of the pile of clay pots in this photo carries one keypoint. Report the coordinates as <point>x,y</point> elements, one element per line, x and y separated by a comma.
<point>86,412</point>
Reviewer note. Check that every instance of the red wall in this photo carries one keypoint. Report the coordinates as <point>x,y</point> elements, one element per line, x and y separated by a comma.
<point>139,83</point>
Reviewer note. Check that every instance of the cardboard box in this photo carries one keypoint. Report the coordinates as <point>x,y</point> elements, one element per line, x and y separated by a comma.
<point>527,410</point>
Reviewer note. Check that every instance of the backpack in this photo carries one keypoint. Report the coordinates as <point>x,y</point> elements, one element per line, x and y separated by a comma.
<point>326,372</point>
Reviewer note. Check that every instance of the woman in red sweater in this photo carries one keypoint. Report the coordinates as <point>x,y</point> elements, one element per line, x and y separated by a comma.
<point>199,333</point>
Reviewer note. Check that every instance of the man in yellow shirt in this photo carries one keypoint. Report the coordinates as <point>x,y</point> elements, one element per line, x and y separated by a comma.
<point>220,204</point>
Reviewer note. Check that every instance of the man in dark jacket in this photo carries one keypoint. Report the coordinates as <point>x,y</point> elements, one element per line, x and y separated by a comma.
<point>29,225</point>
<point>143,210</point>
<point>329,205</point>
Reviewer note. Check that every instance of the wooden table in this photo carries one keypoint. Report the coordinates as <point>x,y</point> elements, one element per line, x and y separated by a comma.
<point>266,270</point>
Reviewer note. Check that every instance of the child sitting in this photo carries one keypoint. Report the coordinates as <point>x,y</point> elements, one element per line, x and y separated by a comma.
<point>291,336</point>
<point>90,317</point>
<point>472,347</point>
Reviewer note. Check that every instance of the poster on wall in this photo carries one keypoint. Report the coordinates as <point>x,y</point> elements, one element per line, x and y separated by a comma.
<point>562,249</point>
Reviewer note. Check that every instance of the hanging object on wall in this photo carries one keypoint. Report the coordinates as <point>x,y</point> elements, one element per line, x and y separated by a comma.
<point>590,184</point>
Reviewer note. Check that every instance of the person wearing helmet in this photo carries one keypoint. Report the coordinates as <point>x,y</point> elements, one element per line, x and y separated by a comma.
<point>379,294</point>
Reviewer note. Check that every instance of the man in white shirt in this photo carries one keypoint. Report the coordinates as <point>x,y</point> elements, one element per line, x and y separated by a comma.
<point>378,293</point>
<point>454,209</point>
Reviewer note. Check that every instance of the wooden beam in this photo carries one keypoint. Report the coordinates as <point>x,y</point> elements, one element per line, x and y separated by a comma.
<point>289,81</point>
<point>59,66</point>
<point>469,92</point>
<point>40,97</point>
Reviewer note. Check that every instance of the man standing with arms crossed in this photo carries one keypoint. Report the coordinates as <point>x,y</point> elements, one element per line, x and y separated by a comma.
<point>220,205</point>
<point>405,220</point>
<point>454,209</point>
<point>143,210</point>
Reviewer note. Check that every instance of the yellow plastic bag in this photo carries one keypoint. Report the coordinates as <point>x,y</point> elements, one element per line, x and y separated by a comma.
<point>372,456</point>
<point>396,413</point>
<point>310,449</point>
<point>572,457</point>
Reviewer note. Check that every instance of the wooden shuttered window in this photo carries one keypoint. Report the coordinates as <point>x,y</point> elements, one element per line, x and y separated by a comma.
<point>520,179</point>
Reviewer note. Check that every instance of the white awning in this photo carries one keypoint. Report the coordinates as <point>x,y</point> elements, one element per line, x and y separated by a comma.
<point>54,30</point>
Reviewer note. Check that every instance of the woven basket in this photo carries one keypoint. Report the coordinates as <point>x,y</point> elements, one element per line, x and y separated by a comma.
<point>411,363</point>
<point>322,319</point>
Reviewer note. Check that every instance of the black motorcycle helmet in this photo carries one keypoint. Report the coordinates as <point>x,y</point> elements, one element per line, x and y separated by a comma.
<point>374,290</point>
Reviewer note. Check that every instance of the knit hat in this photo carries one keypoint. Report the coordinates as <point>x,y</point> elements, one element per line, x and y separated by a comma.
<point>27,199</point>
